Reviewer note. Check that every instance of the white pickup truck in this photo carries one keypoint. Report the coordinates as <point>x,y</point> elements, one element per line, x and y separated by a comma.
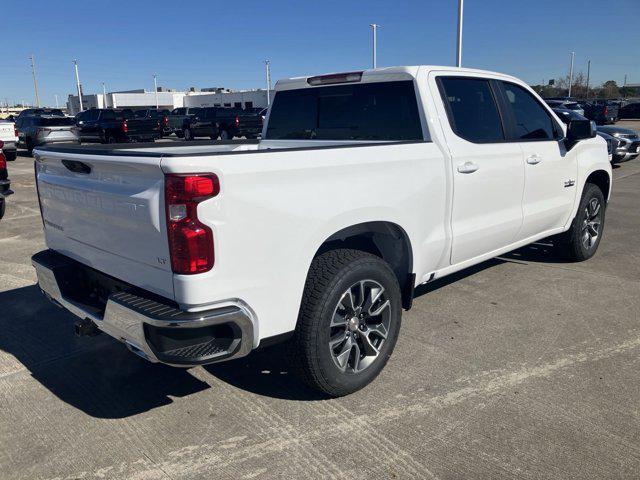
<point>364,185</point>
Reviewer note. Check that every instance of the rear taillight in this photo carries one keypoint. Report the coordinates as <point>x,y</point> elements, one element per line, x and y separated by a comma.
<point>125,127</point>
<point>166,121</point>
<point>15,131</point>
<point>3,159</point>
<point>190,241</point>
<point>236,121</point>
<point>606,111</point>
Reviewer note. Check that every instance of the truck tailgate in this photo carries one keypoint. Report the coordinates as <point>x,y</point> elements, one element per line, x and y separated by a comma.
<point>107,211</point>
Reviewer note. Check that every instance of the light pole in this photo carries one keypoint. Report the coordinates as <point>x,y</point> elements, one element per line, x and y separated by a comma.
<point>56,95</point>
<point>374,30</point>
<point>104,96</point>
<point>588,73</point>
<point>459,42</point>
<point>35,82</point>
<point>573,57</point>
<point>267,64</point>
<point>155,87</point>
<point>75,64</point>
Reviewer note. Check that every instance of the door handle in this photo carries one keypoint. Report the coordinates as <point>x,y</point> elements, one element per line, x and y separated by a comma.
<point>467,167</point>
<point>534,160</point>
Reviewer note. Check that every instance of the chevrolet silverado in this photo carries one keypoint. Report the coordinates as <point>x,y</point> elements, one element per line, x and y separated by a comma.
<point>363,186</point>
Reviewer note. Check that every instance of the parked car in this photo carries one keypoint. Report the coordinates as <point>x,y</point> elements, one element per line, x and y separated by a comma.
<point>222,122</point>
<point>602,112</point>
<point>5,183</point>
<point>9,136</point>
<point>177,117</point>
<point>115,126</point>
<point>567,115</point>
<point>43,130</point>
<point>631,110</point>
<point>568,105</point>
<point>628,142</point>
<point>161,116</point>
<point>319,232</point>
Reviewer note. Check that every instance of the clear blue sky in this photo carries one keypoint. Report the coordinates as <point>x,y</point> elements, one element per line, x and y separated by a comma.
<point>210,43</point>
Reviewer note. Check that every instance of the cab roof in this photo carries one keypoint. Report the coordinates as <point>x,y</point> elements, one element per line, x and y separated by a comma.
<point>386,74</point>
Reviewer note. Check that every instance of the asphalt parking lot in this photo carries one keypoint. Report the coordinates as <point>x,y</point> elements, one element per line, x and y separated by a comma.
<point>521,367</point>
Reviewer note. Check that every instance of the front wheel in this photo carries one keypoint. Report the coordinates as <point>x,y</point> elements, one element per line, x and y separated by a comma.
<point>348,323</point>
<point>581,241</point>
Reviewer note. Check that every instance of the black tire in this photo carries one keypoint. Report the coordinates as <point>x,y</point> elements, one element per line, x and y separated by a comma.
<point>179,134</point>
<point>108,138</point>
<point>29,145</point>
<point>187,134</point>
<point>2,207</point>
<point>331,275</point>
<point>11,156</point>
<point>574,245</point>
<point>225,135</point>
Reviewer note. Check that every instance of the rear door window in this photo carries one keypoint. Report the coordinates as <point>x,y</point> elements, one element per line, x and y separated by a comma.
<point>108,115</point>
<point>57,121</point>
<point>364,111</point>
<point>472,109</point>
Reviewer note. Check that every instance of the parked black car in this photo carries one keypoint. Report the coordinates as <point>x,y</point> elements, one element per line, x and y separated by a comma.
<point>161,116</point>
<point>5,183</point>
<point>225,123</point>
<point>603,112</point>
<point>630,111</point>
<point>115,126</point>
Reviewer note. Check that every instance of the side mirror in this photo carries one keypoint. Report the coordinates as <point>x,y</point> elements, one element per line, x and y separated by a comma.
<point>581,130</point>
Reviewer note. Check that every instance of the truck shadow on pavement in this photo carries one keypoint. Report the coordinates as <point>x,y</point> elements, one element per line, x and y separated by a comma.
<point>96,375</point>
<point>100,377</point>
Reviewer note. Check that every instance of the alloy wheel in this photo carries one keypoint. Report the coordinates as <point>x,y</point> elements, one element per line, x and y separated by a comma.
<point>359,326</point>
<point>591,222</point>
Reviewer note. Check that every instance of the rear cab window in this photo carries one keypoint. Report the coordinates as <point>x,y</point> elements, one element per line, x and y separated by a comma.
<point>382,111</point>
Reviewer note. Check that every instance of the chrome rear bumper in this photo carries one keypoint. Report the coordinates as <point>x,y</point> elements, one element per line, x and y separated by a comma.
<point>157,331</point>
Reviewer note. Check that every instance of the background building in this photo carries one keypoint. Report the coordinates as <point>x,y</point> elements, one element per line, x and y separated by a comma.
<point>169,99</point>
<point>134,99</point>
<point>227,98</point>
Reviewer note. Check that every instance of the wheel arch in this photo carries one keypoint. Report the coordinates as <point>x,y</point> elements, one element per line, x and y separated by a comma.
<point>384,239</point>
<point>602,179</point>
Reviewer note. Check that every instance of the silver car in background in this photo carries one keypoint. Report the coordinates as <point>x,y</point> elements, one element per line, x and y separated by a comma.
<point>35,131</point>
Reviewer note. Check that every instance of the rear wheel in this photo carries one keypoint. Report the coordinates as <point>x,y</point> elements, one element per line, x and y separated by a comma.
<point>187,134</point>
<point>348,323</point>
<point>225,135</point>
<point>2,207</point>
<point>179,134</point>
<point>29,145</point>
<point>11,156</point>
<point>581,241</point>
